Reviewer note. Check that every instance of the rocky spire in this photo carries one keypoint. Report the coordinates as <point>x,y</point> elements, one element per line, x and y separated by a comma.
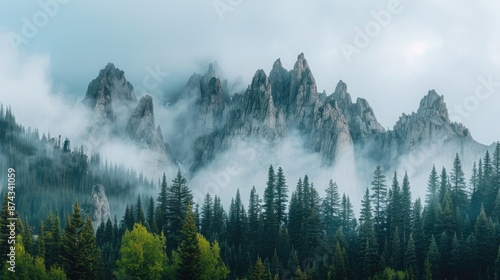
<point>97,206</point>
<point>303,101</point>
<point>141,125</point>
<point>279,78</point>
<point>341,95</point>
<point>109,87</point>
<point>141,129</point>
<point>432,105</point>
<point>212,105</point>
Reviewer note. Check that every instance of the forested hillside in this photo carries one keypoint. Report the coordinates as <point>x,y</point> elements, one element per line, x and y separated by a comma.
<point>287,232</point>
<point>52,174</point>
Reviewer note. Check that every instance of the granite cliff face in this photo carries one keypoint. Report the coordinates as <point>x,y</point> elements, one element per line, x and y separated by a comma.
<point>98,206</point>
<point>142,131</point>
<point>210,120</point>
<point>332,126</point>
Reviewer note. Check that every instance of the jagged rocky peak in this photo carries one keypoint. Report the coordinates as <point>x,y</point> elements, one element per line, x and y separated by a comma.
<point>110,84</point>
<point>198,85</point>
<point>214,71</point>
<point>433,105</point>
<point>359,115</point>
<point>430,124</point>
<point>142,131</point>
<point>141,124</point>
<point>341,95</point>
<point>304,101</point>
<point>260,117</point>
<point>259,101</point>
<point>301,63</point>
<point>279,78</point>
<point>98,206</point>
<point>212,105</point>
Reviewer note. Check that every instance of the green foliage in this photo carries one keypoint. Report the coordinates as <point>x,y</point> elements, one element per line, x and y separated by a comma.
<point>189,250</point>
<point>379,198</point>
<point>389,274</point>
<point>258,271</point>
<point>211,265</point>
<point>331,210</point>
<point>142,255</point>
<point>178,198</point>
<point>79,252</point>
<point>29,267</point>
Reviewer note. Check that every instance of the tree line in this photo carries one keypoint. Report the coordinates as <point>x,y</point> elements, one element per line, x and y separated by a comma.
<point>453,234</point>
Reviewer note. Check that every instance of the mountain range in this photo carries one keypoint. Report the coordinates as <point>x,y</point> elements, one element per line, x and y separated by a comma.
<point>273,107</point>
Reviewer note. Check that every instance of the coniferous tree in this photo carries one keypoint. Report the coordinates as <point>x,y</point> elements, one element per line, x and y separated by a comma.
<point>312,224</point>
<point>79,253</point>
<point>455,260</point>
<point>217,226</point>
<point>446,222</point>
<point>189,250</point>
<point>53,241</point>
<point>418,234</point>
<point>178,197</point>
<point>295,219</point>
<point>206,216</point>
<point>237,222</point>
<point>89,259</point>
<point>497,265</point>
<point>70,244</point>
<point>151,217</point>
<point>197,215</point>
<point>433,257</point>
<point>495,164</point>
<point>379,197</point>
<point>139,213</point>
<point>258,271</point>
<point>443,185</point>
<point>367,239</point>
<point>431,218</point>
<point>281,196</point>
<point>128,219</point>
<point>41,242</point>
<point>432,186</point>
<point>349,222</point>
<point>395,217</point>
<point>27,234</point>
<point>458,191</point>
<point>410,257</point>
<point>331,210</point>
<point>470,257</point>
<point>488,192</point>
<point>340,268</point>
<point>254,226</point>
<point>485,238</point>
<point>474,180</point>
<point>161,211</point>
<point>396,257</point>
<point>270,230</point>
<point>406,208</point>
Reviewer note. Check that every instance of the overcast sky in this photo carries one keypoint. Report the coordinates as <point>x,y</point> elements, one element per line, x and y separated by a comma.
<point>389,52</point>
